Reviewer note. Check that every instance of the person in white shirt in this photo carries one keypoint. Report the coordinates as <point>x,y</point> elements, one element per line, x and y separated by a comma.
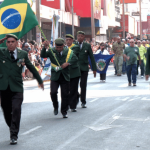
<point>102,51</point>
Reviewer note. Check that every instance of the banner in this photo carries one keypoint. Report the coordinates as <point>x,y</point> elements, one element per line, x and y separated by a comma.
<point>102,62</point>
<point>128,1</point>
<point>46,73</point>
<point>54,34</point>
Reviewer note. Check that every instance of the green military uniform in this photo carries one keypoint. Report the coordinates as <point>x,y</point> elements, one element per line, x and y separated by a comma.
<point>74,77</point>
<point>118,51</point>
<point>85,52</point>
<point>60,77</point>
<point>61,59</point>
<point>75,69</point>
<point>147,68</point>
<point>11,85</point>
<point>10,71</point>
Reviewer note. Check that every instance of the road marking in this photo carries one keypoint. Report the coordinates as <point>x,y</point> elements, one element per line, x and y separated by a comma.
<point>145,99</point>
<point>107,124</point>
<point>124,85</point>
<point>94,100</point>
<point>135,119</point>
<point>97,85</point>
<point>77,135</point>
<point>31,130</point>
<point>122,99</point>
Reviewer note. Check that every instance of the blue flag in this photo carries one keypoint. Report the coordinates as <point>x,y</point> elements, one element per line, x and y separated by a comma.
<point>102,62</point>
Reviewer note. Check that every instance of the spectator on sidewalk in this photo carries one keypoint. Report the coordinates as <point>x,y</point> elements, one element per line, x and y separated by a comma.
<point>130,54</point>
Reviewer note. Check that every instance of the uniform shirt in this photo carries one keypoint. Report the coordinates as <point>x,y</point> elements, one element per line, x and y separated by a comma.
<point>142,52</point>
<point>15,54</point>
<point>118,48</point>
<point>132,52</point>
<point>80,45</point>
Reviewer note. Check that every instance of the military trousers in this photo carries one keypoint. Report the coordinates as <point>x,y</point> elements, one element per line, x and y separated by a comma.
<point>65,86</point>
<point>11,105</point>
<point>73,99</point>
<point>118,64</point>
<point>83,85</point>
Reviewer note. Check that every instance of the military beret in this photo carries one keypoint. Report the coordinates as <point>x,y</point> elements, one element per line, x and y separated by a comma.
<point>81,32</point>
<point>11,36</point>
<point>59,42</point>
<point>69,36</point>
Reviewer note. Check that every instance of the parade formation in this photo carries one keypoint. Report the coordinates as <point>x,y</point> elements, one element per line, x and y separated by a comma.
<point>67,62</point>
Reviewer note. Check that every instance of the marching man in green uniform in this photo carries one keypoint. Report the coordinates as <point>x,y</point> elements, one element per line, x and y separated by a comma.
<point>147,68</point>
<point>61,60</point>
<point>85,52</point>
<point>74,74</point>
<point>11,84</point>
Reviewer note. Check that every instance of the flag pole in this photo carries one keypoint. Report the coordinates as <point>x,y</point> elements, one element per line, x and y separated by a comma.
<point>49,45</point>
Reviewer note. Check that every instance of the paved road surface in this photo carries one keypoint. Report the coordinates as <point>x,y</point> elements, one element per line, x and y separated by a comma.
<point>117,118</point>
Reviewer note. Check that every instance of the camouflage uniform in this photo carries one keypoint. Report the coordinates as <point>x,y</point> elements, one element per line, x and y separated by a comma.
<point>118,51</point>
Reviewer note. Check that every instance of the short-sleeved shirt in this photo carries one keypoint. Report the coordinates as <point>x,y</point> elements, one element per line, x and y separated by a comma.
<point>131,52</point>
<point>142,52</point>
<point>118,48</point>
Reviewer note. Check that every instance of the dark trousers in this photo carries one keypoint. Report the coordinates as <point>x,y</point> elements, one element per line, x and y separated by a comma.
<point>64,93</point>
<point>83,85</point>
<point>73,100</point>
<point>141,67</point>
<point>11,105</point>
<point>131,70</point>
<point>103,76</point>
<point>124,67</point>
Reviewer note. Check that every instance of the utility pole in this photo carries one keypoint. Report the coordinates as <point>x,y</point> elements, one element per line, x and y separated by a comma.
<point>92,22</point>
<point>123,20</point>
<point>72,19</point>
<point>140,20</point>
<point>38,32</point>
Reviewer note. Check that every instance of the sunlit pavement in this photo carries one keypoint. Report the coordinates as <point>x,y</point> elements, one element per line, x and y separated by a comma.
<point>117,118</point>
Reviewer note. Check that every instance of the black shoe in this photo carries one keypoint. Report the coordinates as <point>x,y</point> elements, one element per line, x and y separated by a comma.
<point>83,105</point>
<point>129,84</point>
<point>55,111</point>
<point>134,84</point>
<point>65,116</point>
<point>13,142</point>
<point>73,110</point>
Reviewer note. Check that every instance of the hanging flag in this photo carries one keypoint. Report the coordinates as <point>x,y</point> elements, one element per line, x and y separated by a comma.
<point>102,62</point>
<point>16,17</point>
<point>54,33</point>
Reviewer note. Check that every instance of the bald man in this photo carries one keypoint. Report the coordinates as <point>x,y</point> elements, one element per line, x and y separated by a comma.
<point>130,54</point>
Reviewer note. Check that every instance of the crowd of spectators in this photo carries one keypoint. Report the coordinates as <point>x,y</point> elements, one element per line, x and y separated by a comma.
<point>33,50</point>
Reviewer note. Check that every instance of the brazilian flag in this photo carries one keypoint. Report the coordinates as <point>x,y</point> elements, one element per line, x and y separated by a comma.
<point>16,17</point>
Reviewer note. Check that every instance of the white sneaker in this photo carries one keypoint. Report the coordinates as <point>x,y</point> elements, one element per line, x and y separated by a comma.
<point>142,76</point>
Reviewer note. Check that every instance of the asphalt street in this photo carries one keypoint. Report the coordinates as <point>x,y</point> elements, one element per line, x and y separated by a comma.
<point>117,117</point>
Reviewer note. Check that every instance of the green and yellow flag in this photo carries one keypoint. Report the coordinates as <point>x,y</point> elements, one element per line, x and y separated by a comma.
<point>16,17</point>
